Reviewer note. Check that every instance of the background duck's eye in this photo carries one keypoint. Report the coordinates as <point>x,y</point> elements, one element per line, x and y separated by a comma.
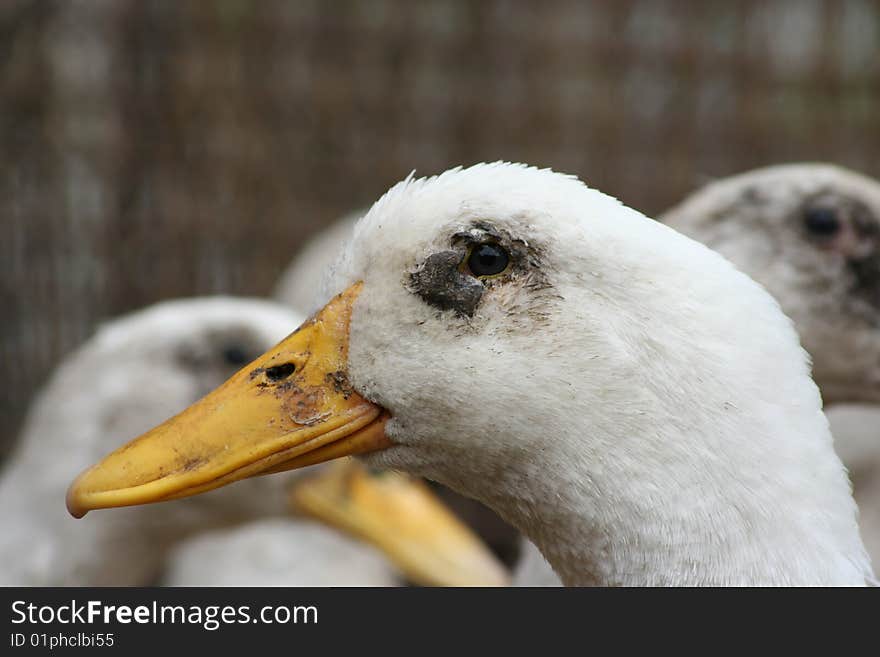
<point>487,260</point>
<point>236,355</point>
<point>821,221</point>
<point>279,372</point>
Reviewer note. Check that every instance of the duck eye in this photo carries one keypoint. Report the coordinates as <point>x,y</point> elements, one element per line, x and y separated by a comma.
<point>487,260</point>
<point>235,355</point>
<point>279,372</point>
<point>821,221</point>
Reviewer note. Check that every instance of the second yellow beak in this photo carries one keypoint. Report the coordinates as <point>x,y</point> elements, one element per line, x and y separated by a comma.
<point>400,516</point>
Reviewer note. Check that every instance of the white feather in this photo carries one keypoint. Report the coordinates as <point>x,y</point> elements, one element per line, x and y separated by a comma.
<point>649,420</point>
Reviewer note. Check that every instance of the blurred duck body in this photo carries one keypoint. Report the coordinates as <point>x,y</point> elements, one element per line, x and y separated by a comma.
<point>276,552</point>
<point>357,508</point>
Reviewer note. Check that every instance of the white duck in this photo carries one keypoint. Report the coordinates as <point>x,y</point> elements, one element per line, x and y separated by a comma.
<point>810,233</point>
<point>135,372</point>
<point>637,407</point>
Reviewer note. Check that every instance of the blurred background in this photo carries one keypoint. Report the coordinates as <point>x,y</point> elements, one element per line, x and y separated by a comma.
<point>154,149</point>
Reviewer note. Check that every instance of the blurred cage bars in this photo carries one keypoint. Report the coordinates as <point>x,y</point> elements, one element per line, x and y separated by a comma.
<point>172,148</point>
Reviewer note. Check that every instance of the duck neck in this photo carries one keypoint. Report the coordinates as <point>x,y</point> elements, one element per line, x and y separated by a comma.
<point>699,516</point>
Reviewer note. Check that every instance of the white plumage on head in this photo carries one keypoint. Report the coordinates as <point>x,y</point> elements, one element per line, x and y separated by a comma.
<point>637,406</point>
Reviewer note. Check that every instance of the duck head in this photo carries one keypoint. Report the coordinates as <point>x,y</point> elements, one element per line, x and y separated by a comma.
<point>536,345</point>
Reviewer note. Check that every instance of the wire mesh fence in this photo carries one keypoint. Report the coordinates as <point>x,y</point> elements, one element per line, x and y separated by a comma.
<point>162,149</point>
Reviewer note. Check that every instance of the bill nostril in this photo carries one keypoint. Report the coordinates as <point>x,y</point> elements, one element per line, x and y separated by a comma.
<point>279,372</point>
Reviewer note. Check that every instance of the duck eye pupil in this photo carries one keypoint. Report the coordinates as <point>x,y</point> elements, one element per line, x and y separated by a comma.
<point>487,260</point>
<point>279,372</point>
<point>821,221</point>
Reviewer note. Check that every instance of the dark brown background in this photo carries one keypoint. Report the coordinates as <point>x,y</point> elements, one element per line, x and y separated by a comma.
<point>160,149</point>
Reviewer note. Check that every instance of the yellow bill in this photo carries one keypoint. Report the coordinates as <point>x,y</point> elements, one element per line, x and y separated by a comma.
<point>289,408</point>
<point>404,519</point>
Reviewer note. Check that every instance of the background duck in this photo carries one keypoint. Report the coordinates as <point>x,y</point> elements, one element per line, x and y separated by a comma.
<point>657,438</point>
<point>137,371</point>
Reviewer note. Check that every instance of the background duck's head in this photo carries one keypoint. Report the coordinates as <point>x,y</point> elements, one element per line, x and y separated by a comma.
<point>138,370</point>
<point>154,361</point>
<point>811,234</point>
<point>135,372</point>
